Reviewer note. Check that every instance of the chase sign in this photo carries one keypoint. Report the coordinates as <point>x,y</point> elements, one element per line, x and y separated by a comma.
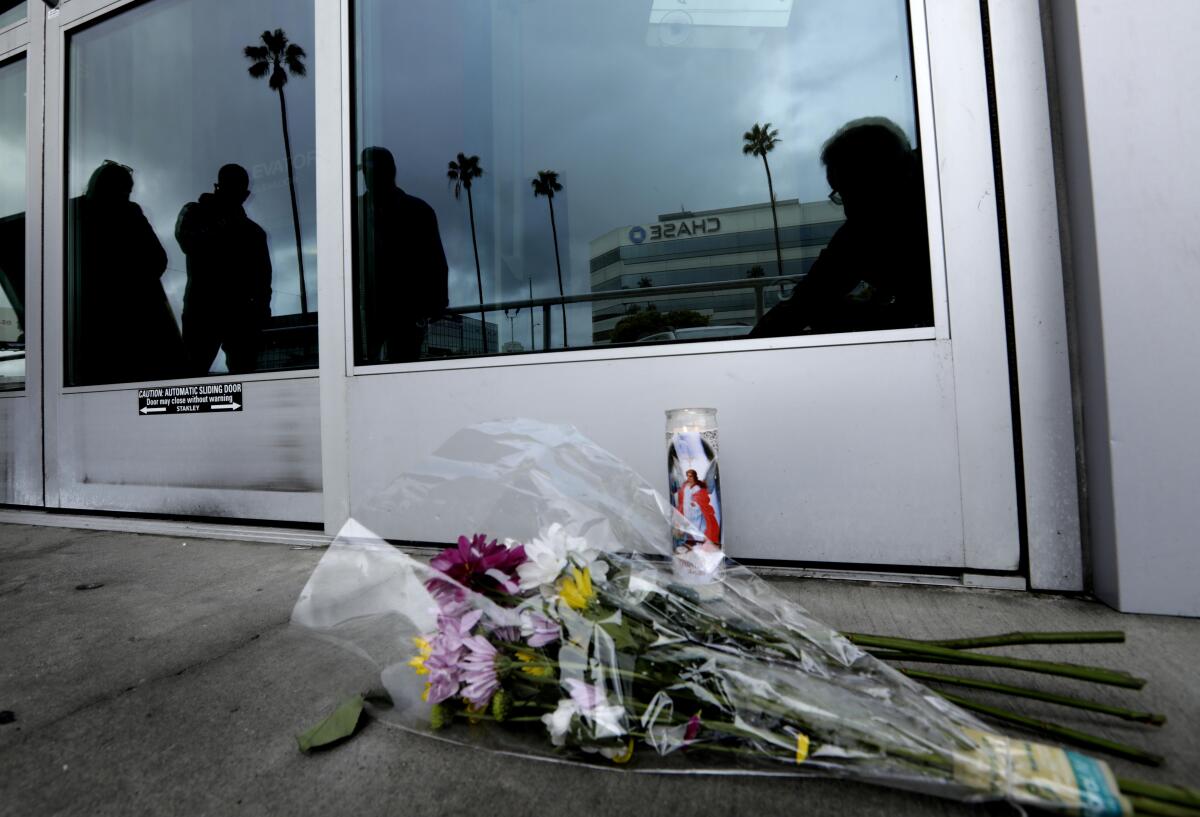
<point>675,229</point>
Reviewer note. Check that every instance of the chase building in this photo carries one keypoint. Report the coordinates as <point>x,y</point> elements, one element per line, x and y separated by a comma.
<point>728,247</point>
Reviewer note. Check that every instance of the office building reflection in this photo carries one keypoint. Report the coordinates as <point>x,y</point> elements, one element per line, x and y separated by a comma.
<point>706,247</point>
<point>455,335</point>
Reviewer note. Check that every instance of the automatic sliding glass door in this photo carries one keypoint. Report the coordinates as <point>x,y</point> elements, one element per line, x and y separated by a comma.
<point>21,48</point>
<point>181,259</point>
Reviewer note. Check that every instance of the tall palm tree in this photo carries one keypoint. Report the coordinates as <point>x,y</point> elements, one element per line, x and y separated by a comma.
<point>759,141</point>
<point>275,56</point>
<point>463,171</point>
<point>546,184</point>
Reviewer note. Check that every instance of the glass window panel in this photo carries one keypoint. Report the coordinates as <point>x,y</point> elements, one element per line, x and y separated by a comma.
<point>12,11</point>
<point>12,224</point>
<point>191,236</point>
<point>653,219</point>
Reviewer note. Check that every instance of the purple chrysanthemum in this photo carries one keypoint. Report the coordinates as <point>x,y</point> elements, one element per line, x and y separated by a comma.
<point>539,630</point>
<point>448,646</point>
<point>479,565</point>
<point>480,681</point>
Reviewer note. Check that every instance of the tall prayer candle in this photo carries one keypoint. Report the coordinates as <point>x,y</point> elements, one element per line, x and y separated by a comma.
<point>694,486</point>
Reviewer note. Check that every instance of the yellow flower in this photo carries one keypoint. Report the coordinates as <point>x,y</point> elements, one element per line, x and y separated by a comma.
<point>576,589</point>
<point>625,756</point>
<point>418,661</point>
<point>526,658</point>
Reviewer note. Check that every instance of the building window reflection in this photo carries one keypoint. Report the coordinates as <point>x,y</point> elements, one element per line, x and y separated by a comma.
<point>191,217</point>
<point>631,177</point>
<point>12,223</point>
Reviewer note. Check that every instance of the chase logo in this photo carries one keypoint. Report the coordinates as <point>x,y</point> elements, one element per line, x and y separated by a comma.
<point>637,234</point>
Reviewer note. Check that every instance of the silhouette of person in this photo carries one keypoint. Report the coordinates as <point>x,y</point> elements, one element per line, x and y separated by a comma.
<point>403,276</point>
<point>874,273</point>
<point>123,329</point>
<point>227,302</point>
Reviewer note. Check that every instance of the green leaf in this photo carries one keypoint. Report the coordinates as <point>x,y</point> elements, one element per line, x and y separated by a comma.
<point>338,726</point>
<point>619,632</point>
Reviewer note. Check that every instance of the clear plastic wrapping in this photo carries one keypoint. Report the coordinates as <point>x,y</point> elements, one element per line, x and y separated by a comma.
<point>564,633</point>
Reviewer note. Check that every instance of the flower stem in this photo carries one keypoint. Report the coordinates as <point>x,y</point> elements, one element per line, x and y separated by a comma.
<point>1180,795</point>
<point>896,655</point>
<point>1062,732</point>
<point>483,716</point>
<point>1022,692</point>
<point>1144,805</point>
<point>1099,675</point>
<point>1013,639</point>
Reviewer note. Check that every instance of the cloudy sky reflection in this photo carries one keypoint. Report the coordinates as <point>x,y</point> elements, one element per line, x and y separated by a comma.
<point>638,119</point>
<point>163,88</point>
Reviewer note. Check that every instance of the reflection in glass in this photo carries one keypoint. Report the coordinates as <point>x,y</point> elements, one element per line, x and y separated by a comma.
<point>875,272</point>
<point>12,11</point>
<point>12,224</point>
<point>126,328</point>
<point>402,266</point>
<point>227,302</point>
<point>196,269</point>
<point>618,205</point>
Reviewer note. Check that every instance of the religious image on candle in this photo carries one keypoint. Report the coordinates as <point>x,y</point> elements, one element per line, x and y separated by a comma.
<point>695,490</point>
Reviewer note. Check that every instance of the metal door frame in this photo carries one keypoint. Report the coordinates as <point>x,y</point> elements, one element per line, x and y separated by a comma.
<point>24,406</point>
<point>152,498</point>
<point>954,79</point>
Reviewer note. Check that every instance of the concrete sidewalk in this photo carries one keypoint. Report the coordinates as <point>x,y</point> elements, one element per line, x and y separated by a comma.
<point>178,686</point>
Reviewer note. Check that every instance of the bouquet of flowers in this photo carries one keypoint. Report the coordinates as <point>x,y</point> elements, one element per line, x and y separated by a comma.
<point>576,641</point>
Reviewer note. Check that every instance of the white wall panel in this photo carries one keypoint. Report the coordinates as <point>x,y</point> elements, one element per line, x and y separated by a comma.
<point>263,462</point>
<point>843,454</point>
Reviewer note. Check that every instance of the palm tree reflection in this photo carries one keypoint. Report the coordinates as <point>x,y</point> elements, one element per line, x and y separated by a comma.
<point>547,184</point>
<point>279,58</point>
<point>759,141</point>
<point>463,171</point>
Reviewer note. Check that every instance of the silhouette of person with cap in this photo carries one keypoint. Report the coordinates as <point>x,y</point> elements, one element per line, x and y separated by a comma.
<point>403,276</point>
<point>874,273</point>
<point>228,298</point>
<point>122,326</point>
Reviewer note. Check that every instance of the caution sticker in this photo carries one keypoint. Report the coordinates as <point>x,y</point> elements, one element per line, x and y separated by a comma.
<point>200,398</point>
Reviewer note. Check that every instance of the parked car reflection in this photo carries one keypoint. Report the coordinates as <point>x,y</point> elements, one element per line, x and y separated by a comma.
<point>698,333</point>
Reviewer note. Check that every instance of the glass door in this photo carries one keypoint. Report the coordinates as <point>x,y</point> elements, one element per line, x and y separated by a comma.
<point>21,46</point>
<point>181,259</point>
<point>594,212</point>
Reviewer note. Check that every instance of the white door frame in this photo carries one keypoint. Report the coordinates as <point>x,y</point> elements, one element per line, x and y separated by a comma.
<point>153,468</point>
<point>1040,333</point>
<point>21,410</point>
<point>952,84</point>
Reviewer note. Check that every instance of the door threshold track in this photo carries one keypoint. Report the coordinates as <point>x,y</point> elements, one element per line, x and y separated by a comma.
<point>169,527</point>
<point>317,539</point>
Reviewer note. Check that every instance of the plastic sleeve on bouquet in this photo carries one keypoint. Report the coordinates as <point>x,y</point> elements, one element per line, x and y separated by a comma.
<point>576,641</point>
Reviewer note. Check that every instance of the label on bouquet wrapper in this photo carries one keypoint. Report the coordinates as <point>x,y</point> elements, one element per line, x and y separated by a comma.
<point>1039,775</point>
<point>695,493</point>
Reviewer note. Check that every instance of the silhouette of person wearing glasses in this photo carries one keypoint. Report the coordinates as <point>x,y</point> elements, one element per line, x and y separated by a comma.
<point>403,276</point>
<point>228,298</point>
<point>874,273</point>
<point>123,327</point>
